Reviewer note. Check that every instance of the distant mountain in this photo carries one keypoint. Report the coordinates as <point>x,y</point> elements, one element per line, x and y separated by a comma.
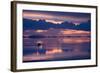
<point>42,24</point>
<point>67,25</point>
<point>85,26</point>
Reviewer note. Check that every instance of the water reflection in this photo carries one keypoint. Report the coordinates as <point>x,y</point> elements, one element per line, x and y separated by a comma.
<point>56,48</point>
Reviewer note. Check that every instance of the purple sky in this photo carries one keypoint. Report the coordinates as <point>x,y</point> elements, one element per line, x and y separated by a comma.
<point>57,17</point>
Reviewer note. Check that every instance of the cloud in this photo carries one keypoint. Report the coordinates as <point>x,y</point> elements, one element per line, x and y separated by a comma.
<point>55,17</point>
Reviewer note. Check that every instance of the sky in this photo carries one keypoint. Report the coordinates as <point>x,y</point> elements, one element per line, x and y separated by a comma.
<point>74,40</point>
<point>57,17</point>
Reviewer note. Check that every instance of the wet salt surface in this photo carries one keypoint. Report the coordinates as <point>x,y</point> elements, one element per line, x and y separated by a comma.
<point>67,51</point>
<point>59,44</point>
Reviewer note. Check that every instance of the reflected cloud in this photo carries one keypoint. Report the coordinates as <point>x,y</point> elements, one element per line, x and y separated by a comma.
<point>53,56</point>
<point>76,40</point>
<point>54,50</point>
<point>75,32</point>
<point>60,31</point>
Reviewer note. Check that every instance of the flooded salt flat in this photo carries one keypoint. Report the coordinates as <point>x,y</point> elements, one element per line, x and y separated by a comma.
<point>58,48</point>
<point>56,35</point>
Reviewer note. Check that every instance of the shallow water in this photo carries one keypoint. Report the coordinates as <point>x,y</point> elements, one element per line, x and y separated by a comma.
<point>67,48</point>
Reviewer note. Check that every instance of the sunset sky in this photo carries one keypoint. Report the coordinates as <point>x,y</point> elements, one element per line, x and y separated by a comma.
<point>63,35</point>
<point>57,17</point>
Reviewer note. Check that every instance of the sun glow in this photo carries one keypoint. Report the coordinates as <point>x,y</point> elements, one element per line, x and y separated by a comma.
<point>55,22</point>
<point>55,50</point>
<point>39,31</point>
